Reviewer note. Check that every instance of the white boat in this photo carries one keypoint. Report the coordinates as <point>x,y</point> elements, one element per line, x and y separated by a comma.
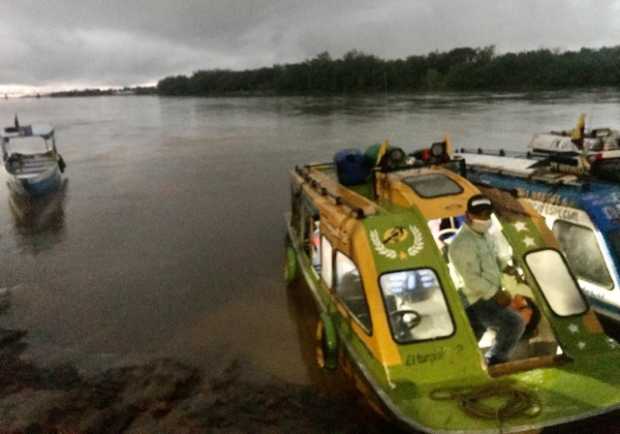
<point>34,170</point>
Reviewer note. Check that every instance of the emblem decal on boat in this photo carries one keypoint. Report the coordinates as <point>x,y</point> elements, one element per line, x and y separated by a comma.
<point>380,247</point>
<point>418,243</point>
<point>394,236</point>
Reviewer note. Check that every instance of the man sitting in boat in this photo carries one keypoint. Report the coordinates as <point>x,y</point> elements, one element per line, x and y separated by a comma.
<point>474,254</point>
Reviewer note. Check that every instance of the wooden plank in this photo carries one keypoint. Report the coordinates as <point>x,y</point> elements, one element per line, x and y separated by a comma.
<point>525,365</point>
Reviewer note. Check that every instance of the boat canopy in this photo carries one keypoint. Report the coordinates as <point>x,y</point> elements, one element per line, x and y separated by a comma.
<point>602,139</point>
<point>40,130</point>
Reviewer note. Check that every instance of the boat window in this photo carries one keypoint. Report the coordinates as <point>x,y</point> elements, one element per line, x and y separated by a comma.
<point>582,252</point>
<point>315,245</point>
<point>326,261</point>
<point>295,208</point>
<point>416,305</point>
<point>27,145</point>
<point>312,240</point>
<point>556,283</point>
<point>350,290</point>
<point>613,241</point>
<point>432,185</point>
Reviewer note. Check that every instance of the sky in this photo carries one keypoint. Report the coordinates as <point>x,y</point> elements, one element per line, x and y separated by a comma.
<point>66,44</point>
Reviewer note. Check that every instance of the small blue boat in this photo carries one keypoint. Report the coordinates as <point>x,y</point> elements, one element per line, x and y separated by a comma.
<point>34,170</point>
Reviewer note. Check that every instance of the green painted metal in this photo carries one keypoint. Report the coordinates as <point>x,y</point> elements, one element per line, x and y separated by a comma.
<point>329,341</point>
<point>291,271</point>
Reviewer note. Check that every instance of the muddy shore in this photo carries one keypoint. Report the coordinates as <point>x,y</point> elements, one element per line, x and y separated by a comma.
<point>165,396</point>
<point>160,396</point>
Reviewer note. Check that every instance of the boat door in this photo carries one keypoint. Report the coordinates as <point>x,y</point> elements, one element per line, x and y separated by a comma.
<point>587,253</point>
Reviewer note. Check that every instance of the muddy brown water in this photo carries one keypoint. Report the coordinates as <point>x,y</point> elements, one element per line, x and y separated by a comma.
<point>166,240</point>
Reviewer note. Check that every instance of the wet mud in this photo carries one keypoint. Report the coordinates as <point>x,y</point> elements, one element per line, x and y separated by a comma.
<point>164,395</point>
<point>160,396</point>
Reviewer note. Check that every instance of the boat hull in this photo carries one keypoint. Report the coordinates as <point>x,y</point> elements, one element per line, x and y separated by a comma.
<point>39,185</point>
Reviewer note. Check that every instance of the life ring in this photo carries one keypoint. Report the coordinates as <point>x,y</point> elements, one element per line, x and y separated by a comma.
<point>291,267</point>
<point>326,344</point>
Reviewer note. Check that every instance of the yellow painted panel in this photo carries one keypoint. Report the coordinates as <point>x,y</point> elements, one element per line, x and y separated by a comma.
<point>381,343</point>
<point>402,195</point>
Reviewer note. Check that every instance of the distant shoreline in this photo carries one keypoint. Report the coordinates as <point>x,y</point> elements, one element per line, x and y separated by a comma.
<point>359,94</point>
<point>460,69</point>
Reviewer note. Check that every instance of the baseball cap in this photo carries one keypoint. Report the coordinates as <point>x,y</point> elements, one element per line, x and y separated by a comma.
<point>479,204</point>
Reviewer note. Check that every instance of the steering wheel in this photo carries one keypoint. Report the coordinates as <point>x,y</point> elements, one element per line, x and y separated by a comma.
<point>413,320</point>
<point>446,233</point>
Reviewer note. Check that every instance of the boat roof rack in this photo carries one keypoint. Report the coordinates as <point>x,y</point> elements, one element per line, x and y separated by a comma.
<point>42,130</point>
<point>305,174</point>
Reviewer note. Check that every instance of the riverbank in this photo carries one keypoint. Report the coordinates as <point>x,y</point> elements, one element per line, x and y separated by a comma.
<point>160,396</point>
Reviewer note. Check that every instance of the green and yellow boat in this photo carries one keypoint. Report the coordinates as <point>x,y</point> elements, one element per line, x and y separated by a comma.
<point>374,256</point>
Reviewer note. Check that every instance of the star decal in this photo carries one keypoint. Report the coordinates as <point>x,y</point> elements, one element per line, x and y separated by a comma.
<point>581,345</point>
<point>529,242</point>
<point>573,328</point>
<point>520,226</point>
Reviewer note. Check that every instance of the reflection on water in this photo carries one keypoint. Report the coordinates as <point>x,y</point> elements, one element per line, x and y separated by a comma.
<point>39,221</point>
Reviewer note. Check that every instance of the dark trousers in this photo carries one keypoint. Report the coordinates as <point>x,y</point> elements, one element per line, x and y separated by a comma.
<point>509,327</point>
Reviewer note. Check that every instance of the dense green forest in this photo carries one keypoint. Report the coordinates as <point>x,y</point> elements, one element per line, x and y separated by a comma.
<point>458,69</point>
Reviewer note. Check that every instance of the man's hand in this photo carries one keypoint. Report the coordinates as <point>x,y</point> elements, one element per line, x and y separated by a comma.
<point>516,272</point>
<point>511,270</point>
<point>503,298</point>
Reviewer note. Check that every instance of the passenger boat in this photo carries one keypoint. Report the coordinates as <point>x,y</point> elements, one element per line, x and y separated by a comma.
<point>591,152</point>
<point>578,194</point>
<point>372,252</point>
<point>33,171</point>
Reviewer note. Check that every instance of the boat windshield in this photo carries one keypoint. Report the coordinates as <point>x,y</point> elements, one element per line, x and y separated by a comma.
<point>432,185</point>
<point>556,283</point>
<point>416,306</point>
<point>27,145</point>
<point>613,241</point>
<point>583,253</point>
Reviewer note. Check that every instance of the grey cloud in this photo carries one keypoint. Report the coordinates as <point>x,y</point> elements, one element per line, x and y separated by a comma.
<point>117,42</point>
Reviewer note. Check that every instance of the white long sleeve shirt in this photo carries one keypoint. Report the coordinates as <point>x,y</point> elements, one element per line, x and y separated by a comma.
<point>479,262</point>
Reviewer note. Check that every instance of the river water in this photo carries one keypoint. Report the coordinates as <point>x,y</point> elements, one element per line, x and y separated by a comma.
<point>167,238</point>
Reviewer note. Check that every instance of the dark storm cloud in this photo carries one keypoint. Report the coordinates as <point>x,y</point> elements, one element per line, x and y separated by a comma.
<point>117,42</point>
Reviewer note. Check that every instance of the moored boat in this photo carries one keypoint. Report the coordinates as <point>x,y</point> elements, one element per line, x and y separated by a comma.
<point>33,171</point>
<point>587,152</point>
<point>581,208</point>
<point>372,250</point>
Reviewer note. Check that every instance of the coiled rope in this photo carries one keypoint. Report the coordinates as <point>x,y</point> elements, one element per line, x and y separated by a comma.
<point>518,402</point>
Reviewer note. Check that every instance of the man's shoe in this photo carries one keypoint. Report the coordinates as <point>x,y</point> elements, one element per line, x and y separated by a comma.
<point>494,360</point>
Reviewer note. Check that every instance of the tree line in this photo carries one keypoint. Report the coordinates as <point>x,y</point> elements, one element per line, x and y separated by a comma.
<point>458,69</point>
<point>138,90</point>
